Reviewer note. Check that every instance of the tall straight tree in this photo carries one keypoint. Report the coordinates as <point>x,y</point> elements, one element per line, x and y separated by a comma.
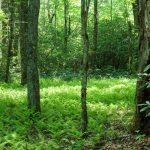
<point>111,10</point>
<point>23,39</point>
<point>10,39</point>
<point>95,31</point>
<point>84,18</point>
<point>142,122</point>
<point>32,68</point>
<point>135,12</point>
<point>4,7</point>
<point>65,24</point>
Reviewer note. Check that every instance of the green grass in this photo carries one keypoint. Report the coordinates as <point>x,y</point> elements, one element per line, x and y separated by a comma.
<point>110,108</point>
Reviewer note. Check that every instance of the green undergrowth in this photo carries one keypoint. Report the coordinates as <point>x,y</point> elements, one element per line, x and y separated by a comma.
<point>110,105</point>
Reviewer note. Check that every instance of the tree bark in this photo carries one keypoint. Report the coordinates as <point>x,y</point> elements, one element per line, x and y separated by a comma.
<point>84,17</point>
<point>135,7</point>
<point>111,11</point>
<point>10,40</point>
<point>32,68</point>
<point>142,122</point>
<point>23,39</point>
<point>65,24</point>
<point>4,6</point>
<point>95,32</point>
<point>129,48</point>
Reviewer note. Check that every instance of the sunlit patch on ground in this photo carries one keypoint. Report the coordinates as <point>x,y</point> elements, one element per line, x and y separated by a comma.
<point>110,104</point>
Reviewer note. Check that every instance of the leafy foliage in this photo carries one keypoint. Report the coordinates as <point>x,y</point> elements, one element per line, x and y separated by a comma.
<point>58,126</point>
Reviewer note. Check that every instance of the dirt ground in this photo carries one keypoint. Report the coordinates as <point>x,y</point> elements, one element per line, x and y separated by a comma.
<point>126,142</point>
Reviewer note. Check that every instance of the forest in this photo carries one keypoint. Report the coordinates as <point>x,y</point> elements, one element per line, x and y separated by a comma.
<point>75,75</point>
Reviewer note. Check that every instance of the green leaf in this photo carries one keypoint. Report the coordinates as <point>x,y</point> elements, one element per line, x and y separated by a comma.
<point>148,115</point>
<point>147,68</point>
<point>143,109</point>
<point>147,102</point>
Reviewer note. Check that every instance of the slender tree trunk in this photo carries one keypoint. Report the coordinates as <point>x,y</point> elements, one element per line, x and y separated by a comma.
<point>55,24</point>
<point>4,39</point>
<point>111,11</point>
<point>69,26</point>
<point>10,40</point>
<point>95,32</point>
<point>135,13</point>
<point>142,122</point>
<point>23,39</point>
<point>0,42</point>
<point>32,68</point>
<point>129,48</point>
<point>65,24</point>
<point>84,17</point>
<point>16,30</point>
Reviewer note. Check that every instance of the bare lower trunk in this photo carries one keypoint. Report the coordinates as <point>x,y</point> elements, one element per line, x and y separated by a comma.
<point>10,40</point>
<point>142,122</point>
<point>95,33</point>
<point>65,24</point>
<point>84,16</point>
<point>129,48</point>
<point>135,7</point>
<point>23,39</point>
<point>32,68</point>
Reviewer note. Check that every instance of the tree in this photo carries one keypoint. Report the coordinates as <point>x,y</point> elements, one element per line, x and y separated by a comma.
<point>23,39</point>
<point>84,17</point>
<point>129,47</point>
<point>95,31</point>
<point>4,6</point>
<point>135,12</point>
<point>111,10</point>
<point>129,24</point>
<point>142,122</point>
<point>65,24</point>
<point>10,39</point>
<point>32,68</point>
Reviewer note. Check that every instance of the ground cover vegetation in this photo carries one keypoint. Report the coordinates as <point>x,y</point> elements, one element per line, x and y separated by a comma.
<point>74,74</point>
<point>59,124</point>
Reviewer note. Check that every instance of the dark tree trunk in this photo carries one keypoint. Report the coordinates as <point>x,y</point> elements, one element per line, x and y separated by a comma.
<point>84,17</point>
<point>129,48</point>
<point>69,26</point>
<point>55,24</point>
<point>10,40</point>
<point>65,24</point>
<point>142,122</point>
<point>111,11</point>
<point>4,6</point>
<point>32,68</point>
<point>95,32</point>
<point>23,39</point>
<point>135,7</point>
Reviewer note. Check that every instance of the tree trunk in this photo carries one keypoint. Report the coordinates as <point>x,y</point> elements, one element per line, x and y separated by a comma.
<point>65,24</point>
<point>4,6</point>
<point>129,48</point>
<point>23,39</point>
<point>135,13</point>
<point>111,11</point>
<point>142,122</point>
<point>95,33</point>
<point>10,39</point>
<point>32,69</point>
<point>84,17</point>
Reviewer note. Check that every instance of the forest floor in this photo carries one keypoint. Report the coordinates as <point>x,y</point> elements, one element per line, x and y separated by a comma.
<point>110,103</point>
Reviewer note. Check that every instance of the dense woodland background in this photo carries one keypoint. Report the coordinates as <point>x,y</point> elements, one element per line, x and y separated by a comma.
<point>60,48</point>
<point>85,65</point>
